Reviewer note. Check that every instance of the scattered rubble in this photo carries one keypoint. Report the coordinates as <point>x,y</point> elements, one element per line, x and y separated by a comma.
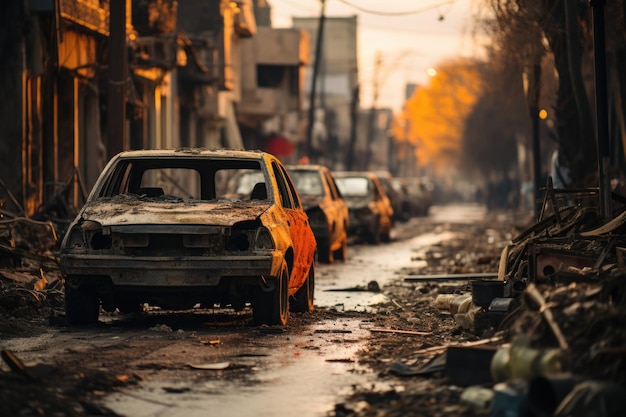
<point>30,279</point>
<point>543,322</point>
<point>512,317</point>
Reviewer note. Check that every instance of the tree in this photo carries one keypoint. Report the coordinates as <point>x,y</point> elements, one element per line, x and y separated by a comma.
<point>498,121</point>
<point>436,113</point>
<point>522,27</point>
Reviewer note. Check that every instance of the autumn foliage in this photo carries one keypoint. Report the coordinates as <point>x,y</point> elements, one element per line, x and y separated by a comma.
<point>433,119</point>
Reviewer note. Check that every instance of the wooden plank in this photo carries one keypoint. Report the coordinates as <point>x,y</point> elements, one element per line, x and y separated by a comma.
<point>435,277</point>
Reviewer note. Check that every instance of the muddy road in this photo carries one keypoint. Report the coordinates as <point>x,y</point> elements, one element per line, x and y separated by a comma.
<point>187,363</point>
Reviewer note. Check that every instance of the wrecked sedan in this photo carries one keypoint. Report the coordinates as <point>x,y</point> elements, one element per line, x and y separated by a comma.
<point>178,228</point>
<point>326,208</point>
<point>369,207</point>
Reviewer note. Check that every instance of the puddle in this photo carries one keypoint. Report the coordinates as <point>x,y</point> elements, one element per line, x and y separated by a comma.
<point>333,283</point>
<point>306,372</point>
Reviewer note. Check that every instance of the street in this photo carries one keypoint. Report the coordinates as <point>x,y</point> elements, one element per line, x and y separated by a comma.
<point>185,363</point>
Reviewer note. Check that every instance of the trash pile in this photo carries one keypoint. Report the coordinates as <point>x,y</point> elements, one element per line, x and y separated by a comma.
<point>553,322</point>
<point>30,279</point>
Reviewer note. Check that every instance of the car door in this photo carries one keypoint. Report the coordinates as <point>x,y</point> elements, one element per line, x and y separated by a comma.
<point>386,211</point>
<point>299,229</point>
<point>334,210</point>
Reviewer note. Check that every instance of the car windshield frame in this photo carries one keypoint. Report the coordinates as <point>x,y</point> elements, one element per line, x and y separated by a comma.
<point>307,182</point>
<point>354,186</point>
<point>125,177</point>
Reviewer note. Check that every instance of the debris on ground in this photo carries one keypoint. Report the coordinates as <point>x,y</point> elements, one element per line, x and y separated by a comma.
<point>510,317</point>
<point>30,279</point>
<point>546,309</point>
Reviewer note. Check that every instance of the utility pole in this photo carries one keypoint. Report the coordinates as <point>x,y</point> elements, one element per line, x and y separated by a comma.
<point>534,94</point>
<point>354,116</point>
<point>316,65</point>
<point>371,122</point>
<point>602,118</point>
<point>118,73</point>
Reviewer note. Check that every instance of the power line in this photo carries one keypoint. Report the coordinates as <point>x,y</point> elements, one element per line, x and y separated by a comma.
<point>404,13</point>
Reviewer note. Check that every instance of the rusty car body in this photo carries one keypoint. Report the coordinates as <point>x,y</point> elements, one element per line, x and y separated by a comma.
<point>326,208</point>
<point>369,207</point>
<point>421,195</point>
<point>177,228</point>
<point>400,209</point>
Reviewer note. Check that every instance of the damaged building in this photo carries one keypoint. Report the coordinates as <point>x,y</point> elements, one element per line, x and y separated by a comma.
<point>180,78</point>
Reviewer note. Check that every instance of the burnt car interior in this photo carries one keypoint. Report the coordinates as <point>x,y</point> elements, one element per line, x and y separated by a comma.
<point>151,191</point>
<point>259,192</point>
<point>308,182</point>
<point>198,179</point>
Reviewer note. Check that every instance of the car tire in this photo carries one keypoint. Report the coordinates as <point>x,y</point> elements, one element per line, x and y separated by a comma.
<point>324,254</point>
<point>374,235</point>
<point>130,307</point>
<point>82,305</point>
<point>271,303</point>
<point>385,236</point>
<point>302,300</point>
<point>341,254</point>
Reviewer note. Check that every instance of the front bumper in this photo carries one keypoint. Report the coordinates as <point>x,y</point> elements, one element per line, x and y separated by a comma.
<point>168,271</point>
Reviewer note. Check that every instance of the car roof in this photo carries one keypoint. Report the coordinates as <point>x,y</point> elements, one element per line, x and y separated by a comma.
<point>367,174</point>
<point>191,152</point>
<point>307,167</point>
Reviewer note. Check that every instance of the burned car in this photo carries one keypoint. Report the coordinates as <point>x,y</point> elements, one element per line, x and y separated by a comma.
<point>179,228</point>
<point>326,208</point>
<point>370,210</point>
<point>401,210</point>
<point>420,195</point>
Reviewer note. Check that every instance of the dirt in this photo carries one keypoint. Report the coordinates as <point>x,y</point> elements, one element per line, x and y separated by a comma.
<point>475,249</point>
<point>77,380</point>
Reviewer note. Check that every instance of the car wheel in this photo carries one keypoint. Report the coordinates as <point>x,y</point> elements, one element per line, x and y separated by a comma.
<point>129,307</point>
<point>341,254</point>
<point>324,254</point>
<point>82,305</point>
<point>271,303</point>
<point>374,235</point>
<point>385,236</point>
<point>302,300</point>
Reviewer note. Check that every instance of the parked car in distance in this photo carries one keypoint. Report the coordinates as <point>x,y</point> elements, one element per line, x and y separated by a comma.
<point>406,202</point>
<point>420,196</point>
<point>326,208</point>
<point>174,228</point>
<point>369,207</point>
<point>401,211</point>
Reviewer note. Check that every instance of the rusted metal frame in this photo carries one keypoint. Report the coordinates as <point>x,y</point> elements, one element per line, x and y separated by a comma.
<point>545,311</point>
<point>557,257</point>
<point>550,193</point>
<point>12,197</point>
<point>605,251</point>
<point>540,226</point>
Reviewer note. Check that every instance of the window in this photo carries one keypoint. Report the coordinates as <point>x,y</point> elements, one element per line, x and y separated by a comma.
<point>270,76</point>
<point>283,190</point>
<point>307,182</point>
<point>354,186</point>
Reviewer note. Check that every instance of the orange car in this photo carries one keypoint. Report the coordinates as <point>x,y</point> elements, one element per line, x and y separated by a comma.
<point>174,228</point>
<point>326,208</point>
<point>370,210</point>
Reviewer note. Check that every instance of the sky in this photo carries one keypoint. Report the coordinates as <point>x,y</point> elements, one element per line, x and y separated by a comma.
<point>412,37</point>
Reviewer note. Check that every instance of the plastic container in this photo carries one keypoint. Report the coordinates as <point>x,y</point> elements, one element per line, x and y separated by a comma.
<point>484,291</point>
<point>524,362</point>
<point>442,302</point>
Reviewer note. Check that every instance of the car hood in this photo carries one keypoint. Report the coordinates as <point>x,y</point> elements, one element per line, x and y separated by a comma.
<point>357,202</point>
<point>121,211</point>
<point>310,201</point>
